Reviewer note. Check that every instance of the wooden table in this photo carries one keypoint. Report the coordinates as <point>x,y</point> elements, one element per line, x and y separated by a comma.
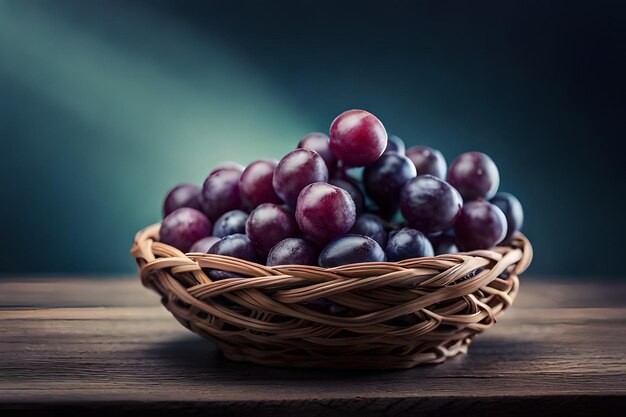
<point>106,345</point>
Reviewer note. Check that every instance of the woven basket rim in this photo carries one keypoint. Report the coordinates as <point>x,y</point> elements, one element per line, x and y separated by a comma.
<point>150,234</point>
<point>453,297</point>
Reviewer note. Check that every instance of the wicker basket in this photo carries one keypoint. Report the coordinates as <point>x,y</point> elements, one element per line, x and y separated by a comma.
<point>392,315</point>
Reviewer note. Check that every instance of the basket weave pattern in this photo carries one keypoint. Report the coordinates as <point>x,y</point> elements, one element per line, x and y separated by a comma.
<point>394,314</point>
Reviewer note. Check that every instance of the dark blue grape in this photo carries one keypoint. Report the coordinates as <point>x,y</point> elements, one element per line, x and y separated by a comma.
<point>384,179</point>
<point>371,226</point>
<point>217,274</point>
<point>408,243</point>
<point>429,204</point>
<point>230,223</point>
<point>513,211</point>
<point>237,246</point>
<point>293,251</point>
<point>444,244</point>
<point>395,144</point>
<point>351,249</point>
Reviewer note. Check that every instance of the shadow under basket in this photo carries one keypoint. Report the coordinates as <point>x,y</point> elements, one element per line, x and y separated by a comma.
<point>380,315</point>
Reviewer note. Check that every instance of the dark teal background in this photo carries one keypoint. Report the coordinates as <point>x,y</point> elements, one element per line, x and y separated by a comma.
<point>107,104</point>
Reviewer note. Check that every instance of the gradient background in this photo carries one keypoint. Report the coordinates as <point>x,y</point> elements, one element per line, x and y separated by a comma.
<point>105,105</point>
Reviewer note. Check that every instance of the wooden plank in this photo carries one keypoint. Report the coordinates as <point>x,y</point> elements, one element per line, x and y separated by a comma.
<point>76,343</point>
<point>127,291</point>
<point>74,292</point>
<point>376,407</point>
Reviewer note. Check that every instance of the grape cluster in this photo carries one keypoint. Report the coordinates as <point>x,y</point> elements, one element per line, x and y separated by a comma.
<point>355,196</point>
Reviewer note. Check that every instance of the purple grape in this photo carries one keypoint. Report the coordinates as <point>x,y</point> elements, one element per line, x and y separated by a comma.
<point>268,224</point>
<point>183,227</point>
<point>384,179</point>
<point>395,144</point>
<point>429,204</point>
<point>355,192</point>
<point>513,211</point>
<point>220,193</point>
<point>256,186</point>
<point>324,212</point>
<point>295,171</point>
<point>474,175</point>
<point>230,223</point>
<point>293,251</point>
<point>227,165</point>
<point>370,225</point>
<point>407,244</point>
<point>428,161</point>
<point>183,195</point>
<point>319,143</point>
<point>481,225</point>
<point>203,245</point>
<point>351,249</point>
<point>357,138</point>
<point>237,246</point>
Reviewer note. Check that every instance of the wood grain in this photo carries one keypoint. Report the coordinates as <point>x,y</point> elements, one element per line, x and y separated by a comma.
<point>78,345</point>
